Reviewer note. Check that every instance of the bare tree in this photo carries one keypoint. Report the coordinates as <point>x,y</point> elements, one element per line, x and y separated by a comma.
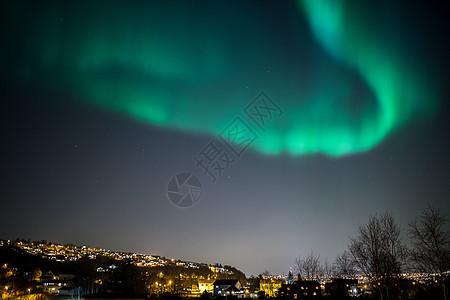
<point>430,250</point>
<point>379,253</point>
<point>265,274</point>
<point>344,265</point>
<point>327,269</point>
<point>308,267</point>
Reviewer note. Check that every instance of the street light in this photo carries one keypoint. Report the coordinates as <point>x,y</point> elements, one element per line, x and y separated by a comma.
<point>29,290</point>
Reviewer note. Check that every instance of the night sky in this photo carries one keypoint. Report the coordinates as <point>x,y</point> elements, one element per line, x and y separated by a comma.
<point>322,114</point>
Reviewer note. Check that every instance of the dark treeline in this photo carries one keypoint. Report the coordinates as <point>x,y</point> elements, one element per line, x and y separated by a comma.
<point>381,251</point>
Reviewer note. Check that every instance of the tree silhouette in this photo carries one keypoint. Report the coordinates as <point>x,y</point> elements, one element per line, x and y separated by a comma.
<point>379,253</point>
<point>344,265</point>
<point>308,267</point>
<point>430,251</point>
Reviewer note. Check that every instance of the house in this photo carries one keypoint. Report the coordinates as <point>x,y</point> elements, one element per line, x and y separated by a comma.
<point>342,287</point>
<point>301,289</point>
<point>270,286</point>
<point>48,276</point>
<point>206,285</point>
<point>54,286</point>
<point>226,287</point>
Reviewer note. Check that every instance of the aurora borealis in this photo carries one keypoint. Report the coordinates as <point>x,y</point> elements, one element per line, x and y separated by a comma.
<point>103,102</point>
<point>345,77</point>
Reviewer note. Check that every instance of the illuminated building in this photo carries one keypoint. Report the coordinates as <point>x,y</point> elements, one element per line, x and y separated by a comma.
<point>206,285</point>
<point>228,287</point>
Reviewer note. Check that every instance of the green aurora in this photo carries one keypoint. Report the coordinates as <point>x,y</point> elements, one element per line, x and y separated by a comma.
<point>345,80</point>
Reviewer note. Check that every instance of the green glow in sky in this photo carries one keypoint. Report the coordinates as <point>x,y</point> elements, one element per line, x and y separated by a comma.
<point>400,88</point>
<point>345,82</point>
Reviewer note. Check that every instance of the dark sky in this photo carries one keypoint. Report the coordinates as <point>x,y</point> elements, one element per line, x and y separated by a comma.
<point>103,103</point>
